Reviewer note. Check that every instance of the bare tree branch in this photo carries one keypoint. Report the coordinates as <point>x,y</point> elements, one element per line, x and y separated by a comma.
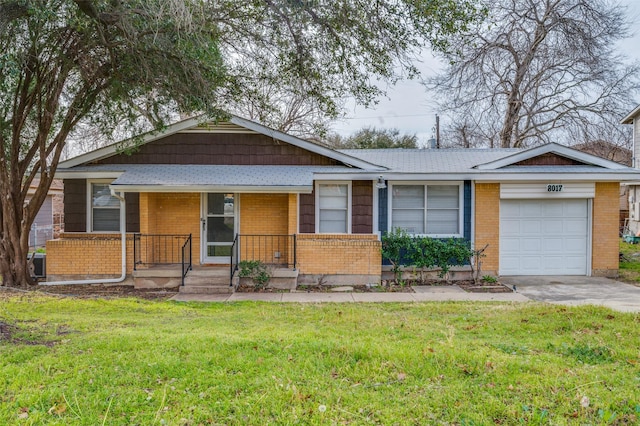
<point>539,68</point>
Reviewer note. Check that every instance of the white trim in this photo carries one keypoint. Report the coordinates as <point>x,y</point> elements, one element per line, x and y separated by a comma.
<point>491,176</point>
<point>317,203</point>
<point>89,201</point>
<point>631,116</point>
<point>629,175</point>
<point>303,189</point>
<point>205,258</point>
<point>554,148</point>
<point>459,184</point>
<point>539,190</point>
<point>68,174</point>
<point>202,226</point>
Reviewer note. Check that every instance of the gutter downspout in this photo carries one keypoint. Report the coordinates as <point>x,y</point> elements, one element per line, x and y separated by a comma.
<point>123,232</point>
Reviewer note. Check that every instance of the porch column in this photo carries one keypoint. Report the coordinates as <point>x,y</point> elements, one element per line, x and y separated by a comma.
<point>292,227</point>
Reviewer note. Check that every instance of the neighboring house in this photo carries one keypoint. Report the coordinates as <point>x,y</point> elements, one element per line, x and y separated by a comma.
<point>616,153</point>
<point>633,118</point>
<point>243,191</point>
<point>49,218</point>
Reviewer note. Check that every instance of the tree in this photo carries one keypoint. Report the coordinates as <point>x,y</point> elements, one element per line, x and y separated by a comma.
<point>372,138</point>
<point>535,69</point>
<point>136,65</point>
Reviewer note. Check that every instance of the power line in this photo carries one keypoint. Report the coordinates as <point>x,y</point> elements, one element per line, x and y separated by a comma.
<point>386,116</point>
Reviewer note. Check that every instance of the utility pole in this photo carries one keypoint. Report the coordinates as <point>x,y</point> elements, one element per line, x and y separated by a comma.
<point>437,131</point>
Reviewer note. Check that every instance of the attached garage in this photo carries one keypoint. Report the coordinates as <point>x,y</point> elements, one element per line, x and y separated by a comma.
<point>548,233</point>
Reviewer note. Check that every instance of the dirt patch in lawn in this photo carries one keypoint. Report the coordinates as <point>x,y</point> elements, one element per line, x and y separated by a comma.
<point>102,291</point>
<point>16,335</point>
<point>483,287</point>
<point>386,287</point>
<point>6,331</point>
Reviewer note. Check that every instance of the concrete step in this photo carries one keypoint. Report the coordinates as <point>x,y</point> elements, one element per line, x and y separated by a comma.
<point>281,279</point>
<point>206,289</point>
<point>284,279</point>
<point>164,271</point>
<point>206,271</point>
<point>206,280</point>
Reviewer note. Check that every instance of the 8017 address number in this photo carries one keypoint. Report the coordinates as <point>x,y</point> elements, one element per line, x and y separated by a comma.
<point>554,188</point>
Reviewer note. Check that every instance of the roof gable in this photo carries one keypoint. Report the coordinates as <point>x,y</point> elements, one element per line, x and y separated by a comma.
<point>631,116</point>
<point>549,159</point>
<point>235,125</point>
<point>551,154</point>
<point>212,148</point>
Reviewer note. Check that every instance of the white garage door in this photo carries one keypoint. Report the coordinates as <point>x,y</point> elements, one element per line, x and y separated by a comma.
<point>543,237</point>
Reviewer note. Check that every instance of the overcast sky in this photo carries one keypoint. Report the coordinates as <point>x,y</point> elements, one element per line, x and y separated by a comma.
<point>408,107</point>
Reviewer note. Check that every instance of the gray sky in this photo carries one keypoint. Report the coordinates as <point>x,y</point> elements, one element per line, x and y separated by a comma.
<point>407,106</point>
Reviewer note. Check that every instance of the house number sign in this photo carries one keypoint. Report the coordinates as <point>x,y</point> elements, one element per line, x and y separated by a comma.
<point>554,187</point>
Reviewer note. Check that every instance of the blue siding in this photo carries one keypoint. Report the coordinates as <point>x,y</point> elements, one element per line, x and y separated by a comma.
<point>383,214</point>
<point>466,220</point>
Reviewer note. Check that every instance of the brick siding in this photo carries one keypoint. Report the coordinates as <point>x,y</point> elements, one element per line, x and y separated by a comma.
<point>605,237</point>
<point>85,255</point>
<point>487,225</point>
<point>339,254</point>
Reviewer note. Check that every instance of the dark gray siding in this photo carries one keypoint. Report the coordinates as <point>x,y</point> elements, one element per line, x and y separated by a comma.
<point>220,148</point>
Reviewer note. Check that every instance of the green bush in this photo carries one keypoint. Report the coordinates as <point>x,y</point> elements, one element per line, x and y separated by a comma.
<point>395,246</point>
<point>402,249</point>
<point>256,270</point>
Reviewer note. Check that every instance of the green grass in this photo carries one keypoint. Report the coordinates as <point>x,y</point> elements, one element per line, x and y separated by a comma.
<point>114,362</point>
<point>630,263</point>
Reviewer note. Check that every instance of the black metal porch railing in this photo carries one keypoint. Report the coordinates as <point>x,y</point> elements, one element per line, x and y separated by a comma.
<point>186,259</point>
<point>276,250</point>
<point>162,249</point>
<point>234,260</point>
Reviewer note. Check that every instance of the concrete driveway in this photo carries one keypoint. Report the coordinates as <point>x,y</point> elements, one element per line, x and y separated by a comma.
<point>573,290</point>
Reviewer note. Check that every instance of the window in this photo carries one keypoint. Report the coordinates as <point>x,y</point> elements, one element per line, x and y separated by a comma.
<point>426,209</point>
<point>104,209</point>
<point>333,208</point>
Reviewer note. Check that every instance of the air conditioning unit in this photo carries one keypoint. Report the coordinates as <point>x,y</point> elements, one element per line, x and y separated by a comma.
<point>39,269</point>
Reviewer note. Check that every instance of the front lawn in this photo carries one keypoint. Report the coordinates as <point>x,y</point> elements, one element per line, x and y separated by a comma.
<point>128,361</point>
<point>630,262</point>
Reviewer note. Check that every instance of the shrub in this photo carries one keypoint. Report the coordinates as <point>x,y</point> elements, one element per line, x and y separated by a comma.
<point>400,249</point>
<point>256,270</point>
<point>395,245</point>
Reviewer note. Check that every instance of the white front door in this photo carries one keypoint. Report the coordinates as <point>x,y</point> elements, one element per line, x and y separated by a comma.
<point>218,226</point>
<point>544,237</point>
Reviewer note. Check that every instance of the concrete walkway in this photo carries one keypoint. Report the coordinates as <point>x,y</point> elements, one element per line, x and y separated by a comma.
<point>575,290</point>
<point>422,294</point>
<point>565,290</point>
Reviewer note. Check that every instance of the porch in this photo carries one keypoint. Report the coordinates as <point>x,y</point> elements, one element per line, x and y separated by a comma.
<point>167,261</point>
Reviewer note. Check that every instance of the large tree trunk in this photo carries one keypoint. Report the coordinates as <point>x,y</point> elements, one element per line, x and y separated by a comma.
<point>14,247</point>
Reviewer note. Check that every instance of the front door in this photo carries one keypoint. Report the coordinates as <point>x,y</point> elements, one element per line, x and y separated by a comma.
<point>218,227</point>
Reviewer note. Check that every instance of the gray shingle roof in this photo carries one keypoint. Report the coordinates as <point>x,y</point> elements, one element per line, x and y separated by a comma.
<point>210,175</point>
<point>430,160</point>
<point>462,161</point>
